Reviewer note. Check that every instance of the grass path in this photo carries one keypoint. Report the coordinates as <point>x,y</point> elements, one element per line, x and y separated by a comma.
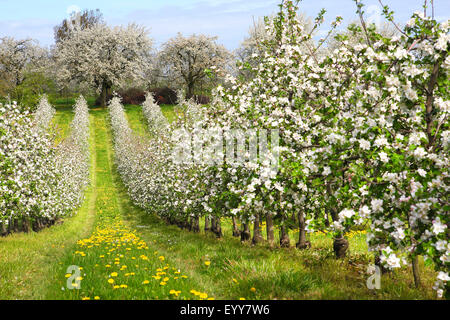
<point>114,262</point>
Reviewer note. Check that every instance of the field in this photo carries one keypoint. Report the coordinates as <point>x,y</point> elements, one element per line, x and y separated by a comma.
<point>126,253</point>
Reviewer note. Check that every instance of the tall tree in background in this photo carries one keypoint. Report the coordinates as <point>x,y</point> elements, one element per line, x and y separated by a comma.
<point>103,57</point>
<point>250,50</point>
<point>77,21</point>
<point>186,59</point>
<point>16,56</point>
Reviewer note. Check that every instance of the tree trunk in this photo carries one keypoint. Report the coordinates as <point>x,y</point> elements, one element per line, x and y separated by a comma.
<point>216,227</point>
<point>26,225</point>
<point>196,224</point>
<point>3,229</point>
<point>16,225</point>
<point>236,232</point>
<point>416,271</point>
<point>207,224</point>
<point>213,224</point>
<point>104,94</point>
<point>285,242</point>
<point>245,233</point>
<point>190,92</point>
<point>269,229</point>
<point>302,243</point>
<point>340,246</point>
<point>257,236</point>
<point>327,220</point>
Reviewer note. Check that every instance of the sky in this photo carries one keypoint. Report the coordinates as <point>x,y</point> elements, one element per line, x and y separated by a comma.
<point>227,19</point>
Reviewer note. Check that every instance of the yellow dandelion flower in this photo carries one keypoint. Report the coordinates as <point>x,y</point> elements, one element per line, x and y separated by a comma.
<point>111,281</point>
<point>207,263</point>
<point>114,274</point>
<point>85,298</point>
<point>163,283</point>
<point>252,289</point>
<point>241,298</point>
<point>97,298</point>
<point>68,275</point>
<point>145,282</point>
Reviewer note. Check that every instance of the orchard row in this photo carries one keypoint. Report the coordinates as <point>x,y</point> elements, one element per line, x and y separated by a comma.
<point>41,182</point>
<point>363,143</point>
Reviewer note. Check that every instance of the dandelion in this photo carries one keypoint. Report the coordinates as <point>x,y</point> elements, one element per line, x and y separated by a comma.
<point>207,263</point>
<point>111,281</point>
<point>252,289</point>
<point>174,292</point>
<point>145,282</point>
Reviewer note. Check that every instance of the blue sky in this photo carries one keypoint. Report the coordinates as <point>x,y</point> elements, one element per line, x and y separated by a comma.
<point>227,19</point>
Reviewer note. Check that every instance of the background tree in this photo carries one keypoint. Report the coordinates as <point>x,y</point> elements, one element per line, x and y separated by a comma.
<point>23,70</point>
<point>18,55</point>
<point>102,57</point>
<point>249,52</point>
<point>77,21</point>
<point>186,59</point>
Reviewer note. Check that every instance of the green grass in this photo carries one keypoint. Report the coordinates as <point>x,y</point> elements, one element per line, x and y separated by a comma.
<point>61,123</point>
<point>135,116</point>
<point>168,111</point>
